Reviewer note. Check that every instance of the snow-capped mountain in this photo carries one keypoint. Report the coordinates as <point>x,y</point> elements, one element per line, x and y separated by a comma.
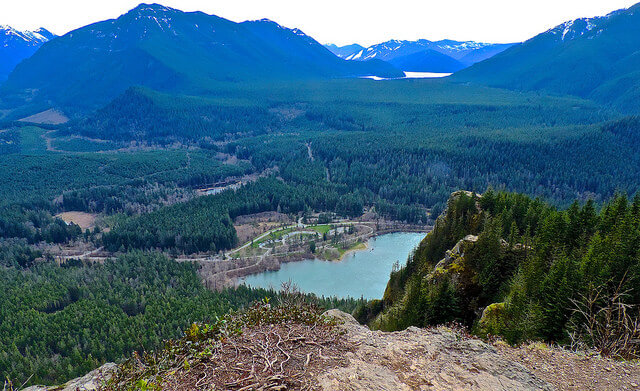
<point>596,58</point>
<point>457,50</point>
<point>16,45</point>
<point>587,27</point>
<point>343,51</point>
<point>168,49</point>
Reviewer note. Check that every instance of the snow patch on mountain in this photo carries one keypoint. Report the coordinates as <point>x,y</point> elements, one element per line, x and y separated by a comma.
<point>32,38</point>
<point>590,27</point>
<point>395,48</point>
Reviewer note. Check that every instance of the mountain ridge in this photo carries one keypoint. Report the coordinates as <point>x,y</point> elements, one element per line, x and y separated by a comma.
<point>394,48</point>
<point>343,51</point>
<point>16,45</point>
<point>168,49</point>
<point>427,61</point>
<point>595,58</point>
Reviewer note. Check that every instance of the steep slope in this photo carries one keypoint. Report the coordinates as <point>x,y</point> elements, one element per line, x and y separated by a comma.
<point>167,49</point>
<point>17,45</point>
<point>344,51</point>
<point>436,359</point>
<point>461,51</point>
<point>597,58</point>
<point>294,346</point>
<point>508,265</point>
<point>427,61</point>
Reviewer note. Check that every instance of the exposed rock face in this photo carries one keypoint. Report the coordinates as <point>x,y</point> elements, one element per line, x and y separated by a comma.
<point>89,382</point>
<point>455,254</point>
<point>437,359</point>
<point>414,359</point>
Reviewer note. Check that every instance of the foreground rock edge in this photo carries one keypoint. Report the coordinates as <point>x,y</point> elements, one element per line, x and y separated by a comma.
<point>435,359</point>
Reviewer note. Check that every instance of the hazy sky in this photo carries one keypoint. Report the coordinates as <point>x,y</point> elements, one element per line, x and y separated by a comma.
<point>340,21</point>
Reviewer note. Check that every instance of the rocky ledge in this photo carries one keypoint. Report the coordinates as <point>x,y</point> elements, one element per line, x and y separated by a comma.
<point>418,359</point>
<point>89,382</point>
<point>414,359</point>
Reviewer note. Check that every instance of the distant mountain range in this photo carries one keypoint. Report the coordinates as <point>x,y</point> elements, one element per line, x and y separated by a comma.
<point>596,58</point>
<point>167,49</point>
<point>421,55</point>
<point>344,51</point>
<point>427,61</point>
<point>173,51</point>
<point>16,45</point>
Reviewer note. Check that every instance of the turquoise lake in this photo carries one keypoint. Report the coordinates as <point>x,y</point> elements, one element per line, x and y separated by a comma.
<point>360,274</point>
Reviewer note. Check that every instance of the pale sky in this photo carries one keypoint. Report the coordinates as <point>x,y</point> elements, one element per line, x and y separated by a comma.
<point>340,21</point>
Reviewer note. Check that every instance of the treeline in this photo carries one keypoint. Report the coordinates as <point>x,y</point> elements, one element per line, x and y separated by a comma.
<point>18,254</point>
<point>403,173</point>
<point>59,322</point>
<point>151,117</point>
<point>35,225</point>
<point>144,115</point>
<point>290,155</point>
<point>423,168</point>
<point>205,224</point>
<point>51,175</point>
<point>532,270</point>
<point>98,183</point>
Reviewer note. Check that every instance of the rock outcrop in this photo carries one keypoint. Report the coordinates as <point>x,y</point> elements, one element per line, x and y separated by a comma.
<point>360,359</point>
<point>434,359</point>
<point>89,382</point>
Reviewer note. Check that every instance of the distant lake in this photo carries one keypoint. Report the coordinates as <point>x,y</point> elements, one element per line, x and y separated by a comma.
<point>412,75</point>
<point>425,75</point>
<point>363,273</point>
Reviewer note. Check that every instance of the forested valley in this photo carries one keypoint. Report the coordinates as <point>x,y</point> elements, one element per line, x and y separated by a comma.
<point>59,322</point>
<point>397,148</point>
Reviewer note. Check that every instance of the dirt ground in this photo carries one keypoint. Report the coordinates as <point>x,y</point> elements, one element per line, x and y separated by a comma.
<point>49,117</point>
<point>574,372</point>
<point>84,220</point>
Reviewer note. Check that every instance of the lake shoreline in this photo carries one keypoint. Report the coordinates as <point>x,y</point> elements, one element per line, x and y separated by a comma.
<point>222,273</point>
<point>364,273</point>
<point>362,246</point>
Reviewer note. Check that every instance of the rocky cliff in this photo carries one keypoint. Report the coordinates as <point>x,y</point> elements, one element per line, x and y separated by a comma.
<point>419,359</point>
<point>285,351</point>
<point>353,358</point>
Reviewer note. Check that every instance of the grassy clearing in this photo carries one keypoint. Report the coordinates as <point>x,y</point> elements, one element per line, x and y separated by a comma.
<point>274,235</point>
<point>323,228</point>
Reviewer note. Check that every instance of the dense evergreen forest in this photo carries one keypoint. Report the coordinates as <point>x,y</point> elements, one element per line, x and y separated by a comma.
<point>402,147</point>
<point>205,224</point>
<point>405,143</point>
<point>59,322</point>
<point>567,276</point>
<point>338,146</point>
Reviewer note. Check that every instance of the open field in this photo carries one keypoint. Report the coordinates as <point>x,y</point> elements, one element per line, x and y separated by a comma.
<point>82,219</point>
<point>47,117</point>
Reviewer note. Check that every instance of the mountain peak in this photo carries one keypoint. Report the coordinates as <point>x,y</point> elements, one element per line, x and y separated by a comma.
<point>467,52</point>
<point>589,27</point>
<point>264,21</point>
<point>152,8</point>
<point>593,58</point>
<point>167,49</point>
<point>36,37</point>
<point>45,33</point>
<point>16,45</point>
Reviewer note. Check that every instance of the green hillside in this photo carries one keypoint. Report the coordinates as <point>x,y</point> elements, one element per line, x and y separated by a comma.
<point>170,50</point>
<point>596,58</point>
<point>508,265</point>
